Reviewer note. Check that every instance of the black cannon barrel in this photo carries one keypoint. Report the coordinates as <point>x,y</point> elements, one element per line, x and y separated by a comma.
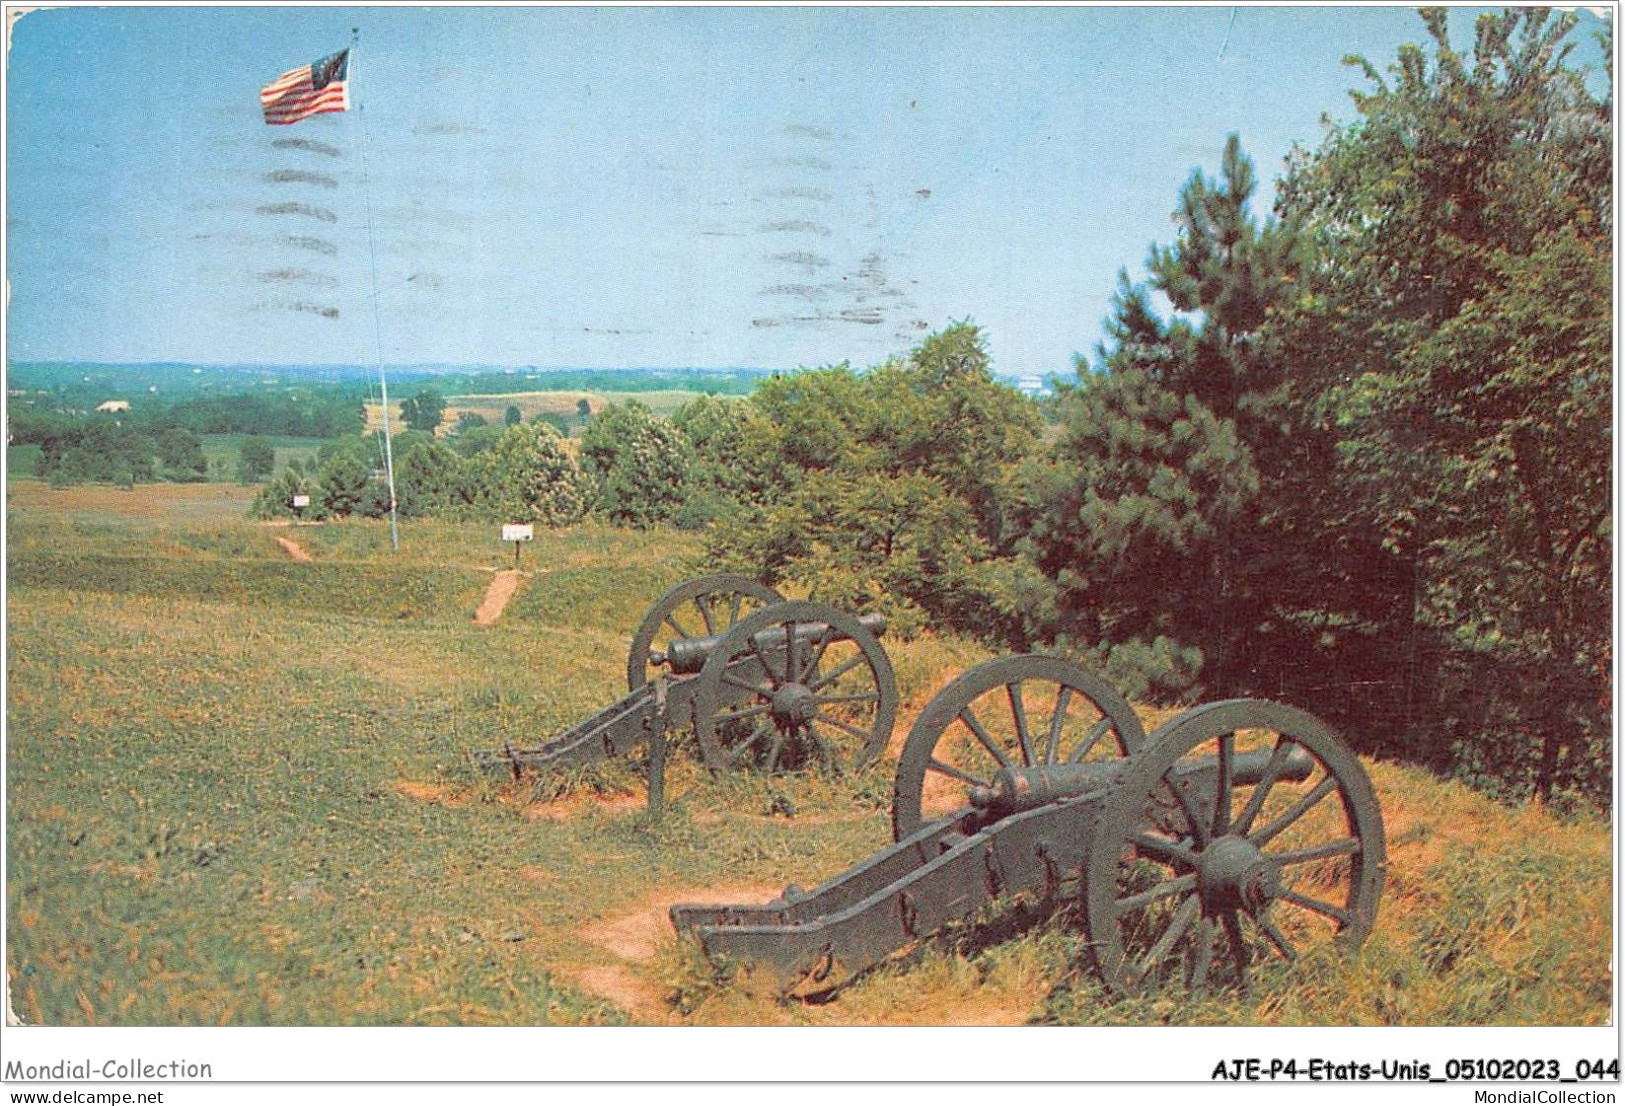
<point>688,655</point>
<point>1018,789</point>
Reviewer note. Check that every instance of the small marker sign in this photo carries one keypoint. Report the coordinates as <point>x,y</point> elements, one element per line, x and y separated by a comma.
<point>301,501</point>
<point>517,532</point>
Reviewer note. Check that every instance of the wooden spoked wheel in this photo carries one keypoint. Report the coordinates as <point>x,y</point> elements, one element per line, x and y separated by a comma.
<point>1245,830</point>
<point>794,686</point>
<point>703,607</point>
<point>1013,712</point>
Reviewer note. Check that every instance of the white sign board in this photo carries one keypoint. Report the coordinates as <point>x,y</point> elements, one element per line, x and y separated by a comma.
<point>518,531</point>
<point>301,501</point>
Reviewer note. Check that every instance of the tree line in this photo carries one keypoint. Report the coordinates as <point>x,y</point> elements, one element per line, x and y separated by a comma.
<point>157,440</point>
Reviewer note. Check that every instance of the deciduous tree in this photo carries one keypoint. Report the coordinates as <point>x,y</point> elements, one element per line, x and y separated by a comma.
<point>1459,321</point>
<point>636,463</point>
<point>424,411</point>
<point>256,460</point>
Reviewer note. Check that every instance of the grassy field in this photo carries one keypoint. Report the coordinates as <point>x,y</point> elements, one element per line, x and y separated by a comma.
<point>224,452</point>
<point>493,407</point>
<point>23,460</point>
<point>238,794</point>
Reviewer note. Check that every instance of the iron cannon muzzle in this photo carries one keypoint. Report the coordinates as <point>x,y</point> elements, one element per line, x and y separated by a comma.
<point>1017,789</point>
<point>687,656</point>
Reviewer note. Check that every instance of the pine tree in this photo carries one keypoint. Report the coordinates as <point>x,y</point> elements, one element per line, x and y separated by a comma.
<point>341,484</point>
<point>1151,521</point>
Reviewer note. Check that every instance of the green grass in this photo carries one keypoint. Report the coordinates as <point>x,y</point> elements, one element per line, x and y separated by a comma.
<point>23,460</point>
<point>238,794</point>
<point>208,821</point>
<point>319,590</point>
<point>244,858</point>
<point>224,452</point>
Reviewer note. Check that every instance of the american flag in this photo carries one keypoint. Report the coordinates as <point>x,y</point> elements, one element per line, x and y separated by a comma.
<point>309,90</point>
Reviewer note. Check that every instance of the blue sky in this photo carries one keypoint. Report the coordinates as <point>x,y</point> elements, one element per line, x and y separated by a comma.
<point>593,187</point>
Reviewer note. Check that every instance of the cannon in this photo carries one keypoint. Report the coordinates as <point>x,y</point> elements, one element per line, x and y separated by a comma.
<point>765,683</point>
<point>1239,830</point>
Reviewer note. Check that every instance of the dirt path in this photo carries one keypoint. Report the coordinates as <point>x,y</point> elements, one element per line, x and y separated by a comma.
<point>294,550</point>
<point>559,810</point>
<point>503,585</point>
<point>631,943</point>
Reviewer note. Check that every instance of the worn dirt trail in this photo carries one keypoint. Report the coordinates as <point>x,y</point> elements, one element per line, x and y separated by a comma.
<point>631,942</point>
<point>503,585</point>
<point>626,950</point>
<point>294,550</point>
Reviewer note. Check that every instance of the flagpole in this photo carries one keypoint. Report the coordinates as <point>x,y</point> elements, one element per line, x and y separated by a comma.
<point>377,338</point>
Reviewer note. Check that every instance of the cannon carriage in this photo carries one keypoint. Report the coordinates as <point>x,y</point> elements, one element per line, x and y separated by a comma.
<point>1238,831</point>
<point>762,682</point>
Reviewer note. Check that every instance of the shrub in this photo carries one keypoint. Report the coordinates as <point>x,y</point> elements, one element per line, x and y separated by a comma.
<point>637,465</point>
<point>275,499</point>
<point>341,484</point>
<point>429,480</point>
<point>528,476</point>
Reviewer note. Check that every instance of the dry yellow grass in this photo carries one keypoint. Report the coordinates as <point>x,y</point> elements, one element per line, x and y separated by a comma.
<point>493,407</point>
<point>176,502</point>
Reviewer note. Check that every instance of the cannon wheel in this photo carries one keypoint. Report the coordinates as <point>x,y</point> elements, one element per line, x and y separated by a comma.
<point>827,700</point>
<point>1192,884</point>
<point>702,607</point>
<point>1011,712</point>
